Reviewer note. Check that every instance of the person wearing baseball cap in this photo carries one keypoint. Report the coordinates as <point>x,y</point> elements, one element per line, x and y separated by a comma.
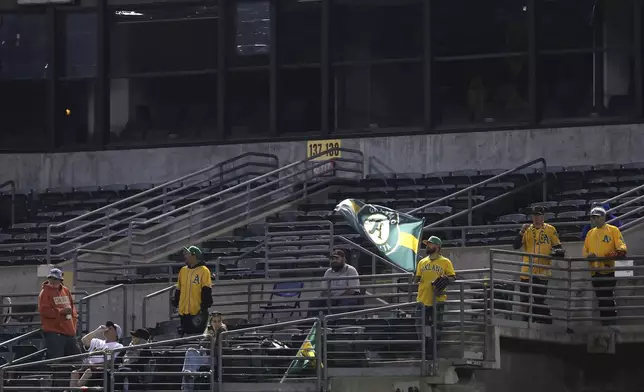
<point>604,240</point>
<point>104,338</point>
<point>433,273</point>
<point>134,360</point>
<point>59,318</point>
<point>193,293</point>
<point>342,282</point>
<point>542,239</point>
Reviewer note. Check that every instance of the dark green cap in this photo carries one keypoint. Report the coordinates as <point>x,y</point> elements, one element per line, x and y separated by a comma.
<point>194,250</point>
<point>434,240</point>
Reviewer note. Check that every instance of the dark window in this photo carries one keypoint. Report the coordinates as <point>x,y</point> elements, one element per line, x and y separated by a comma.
<point>366,30</point>
<point>75,112</point>
<point>79,45</point>
<point>163,39</point>
<point>24,46</point>
<point>379,96</point>
<point>247,104</point>
<point>24,66</point>
<point>480,92</point>
<point>586,58</point>
<point>162,109</point>
<point>465,27</point>
<point>300,100</point>
<point>299,31</point>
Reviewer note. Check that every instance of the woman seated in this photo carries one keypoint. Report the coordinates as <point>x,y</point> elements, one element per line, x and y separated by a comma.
<point>200,357</point>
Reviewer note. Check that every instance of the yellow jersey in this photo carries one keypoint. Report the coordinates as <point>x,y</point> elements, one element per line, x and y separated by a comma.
<point>428,271</point>
<point>539,241</point>
<point>602,241</point>
<point>189,284</point>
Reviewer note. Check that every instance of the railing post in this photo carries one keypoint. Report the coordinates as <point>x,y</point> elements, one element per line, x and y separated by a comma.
<point>2,316</point>
<point>325,351</point>
<point>531,282</point>
<point>13,203</point>
<point>434,335</point>
<point>373,265</point>
<point>220,365</point>
<point>125,308</point>
<point>248,200</point>
<point>107,365</point>
<point>212,363</point>
<point>49,246</point>
<point>318,355</point>
<point>469,207</point>
<point>144,317</point>
<point>544,182</point>
<point>250,298</point>
<point>130,239</point>
<point>423,339</point>
<point>217,268</point>
<point>462,317</point>
<point>491,287</point>
<point>75,266</point>
<point>569,295</point>
<point>2,380</point>
<point>190,224</point>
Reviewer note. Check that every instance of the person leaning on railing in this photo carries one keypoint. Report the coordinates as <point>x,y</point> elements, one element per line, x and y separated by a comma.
<point>433,274</point>
<point>604,240</point>
<point>193,294</point>
<point>538,238</point>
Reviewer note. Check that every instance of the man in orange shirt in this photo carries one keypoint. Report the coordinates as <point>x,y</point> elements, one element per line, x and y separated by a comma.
<point>58,316</point>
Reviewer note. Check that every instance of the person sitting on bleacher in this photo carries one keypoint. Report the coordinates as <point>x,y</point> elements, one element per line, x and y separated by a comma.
<point>198,358</point>
<point>134,359</point>
<point>193,294</point>
<point>111,334</point>
<point>337,287</point>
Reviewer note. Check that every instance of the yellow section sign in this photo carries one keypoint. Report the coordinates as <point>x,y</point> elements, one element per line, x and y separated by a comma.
<point>315,147</point>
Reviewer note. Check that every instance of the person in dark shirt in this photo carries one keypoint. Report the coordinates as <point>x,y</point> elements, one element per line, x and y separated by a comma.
<point>134,360</point>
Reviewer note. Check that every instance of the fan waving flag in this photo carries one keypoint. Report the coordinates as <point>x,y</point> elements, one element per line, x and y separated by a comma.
<point>394,233</point>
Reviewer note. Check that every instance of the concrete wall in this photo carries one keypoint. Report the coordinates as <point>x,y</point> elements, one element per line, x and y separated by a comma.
<point>422,153</point>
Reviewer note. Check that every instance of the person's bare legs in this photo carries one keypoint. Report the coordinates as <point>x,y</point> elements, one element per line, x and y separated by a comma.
<point>86,376</point>
<point>73,383</point>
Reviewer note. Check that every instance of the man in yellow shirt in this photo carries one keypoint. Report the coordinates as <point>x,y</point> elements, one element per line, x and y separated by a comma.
<point>429,272</point>
<point>537,238</point>
<point>193,294</point>
<point>604,240</point>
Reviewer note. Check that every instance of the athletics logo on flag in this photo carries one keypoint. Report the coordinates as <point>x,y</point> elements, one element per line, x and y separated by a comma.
<point>395,234</point>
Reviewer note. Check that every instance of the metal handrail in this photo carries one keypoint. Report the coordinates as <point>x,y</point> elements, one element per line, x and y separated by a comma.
<point>21,337</point>
<point>145,200</point>
<point>144,310</point>
<point>273,174</point>
<point>105,291</point>
<point>25,358</point>
<point>12,185</point>
<point>470,188</point>
<point>273,179</point>
<point>224,334</point>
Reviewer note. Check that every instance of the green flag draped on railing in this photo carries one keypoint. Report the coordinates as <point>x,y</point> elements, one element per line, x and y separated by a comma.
<point>306,355</point>
<point>394,233</point>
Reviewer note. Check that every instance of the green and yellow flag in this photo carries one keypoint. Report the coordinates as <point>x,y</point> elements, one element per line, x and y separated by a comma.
<point>306,355</point>
<point>395,234</point>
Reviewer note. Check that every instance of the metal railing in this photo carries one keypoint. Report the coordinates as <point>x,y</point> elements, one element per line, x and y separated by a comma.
<point>241,204</point>
<point>85,320</point>
<point>268,353</point>
<point>275,299</point>
<point>23,312</point>
<point>99,227</point>
<point>470,191</point>
<point>564,292</point>
<point>55,374</point>
<point>11,184</point>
